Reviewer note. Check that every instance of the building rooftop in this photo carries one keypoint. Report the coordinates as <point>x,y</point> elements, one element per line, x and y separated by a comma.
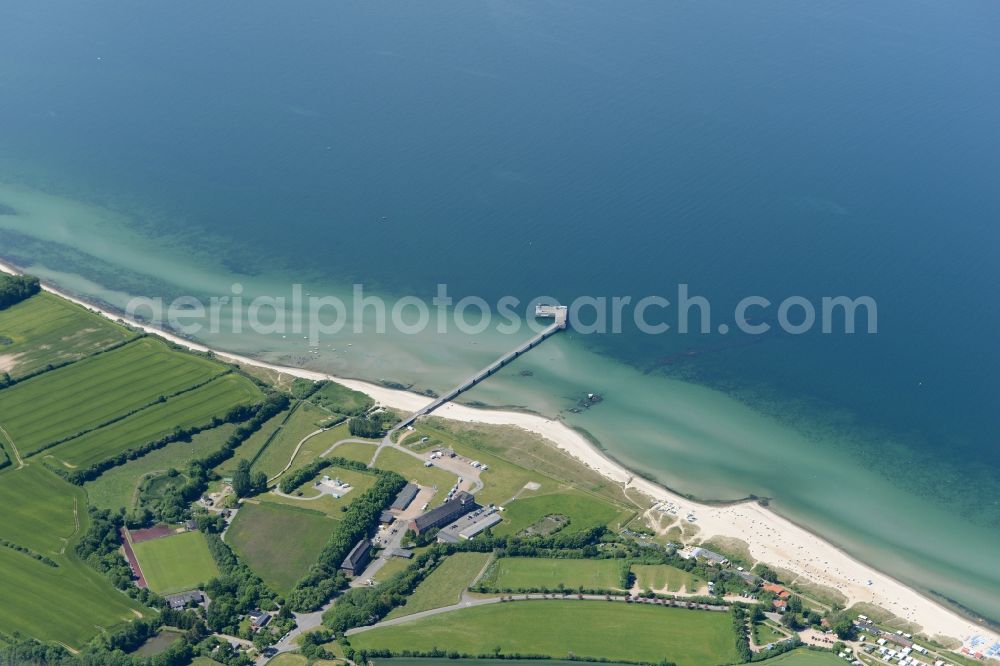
<point>405,496</point>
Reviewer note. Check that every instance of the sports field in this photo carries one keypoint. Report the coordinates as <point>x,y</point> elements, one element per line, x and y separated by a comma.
<point>665,578</point>
<point>279,542</point>
<point>71,602</point>
<point>175,563</point>
<point>559,627</point>
<point>584,512</point>
<point>445,585</point>
<point>194,408</point>
<point>87,394</point>
<point>534,573</point>
<point>46,329</point>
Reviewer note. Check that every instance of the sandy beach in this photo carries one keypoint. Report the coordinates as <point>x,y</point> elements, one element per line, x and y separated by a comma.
<point>771,538</point>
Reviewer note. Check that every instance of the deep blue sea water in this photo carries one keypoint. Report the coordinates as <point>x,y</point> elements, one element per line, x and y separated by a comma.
<point>580,148</point>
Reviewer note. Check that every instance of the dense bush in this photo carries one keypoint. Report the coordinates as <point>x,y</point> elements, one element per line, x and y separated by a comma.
<point>16,288</point>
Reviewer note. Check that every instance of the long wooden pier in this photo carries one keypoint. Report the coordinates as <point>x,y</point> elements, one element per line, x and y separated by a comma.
<point>558,312</point>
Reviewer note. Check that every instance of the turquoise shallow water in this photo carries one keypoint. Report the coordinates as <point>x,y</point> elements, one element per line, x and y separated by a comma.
<point>570,149</point>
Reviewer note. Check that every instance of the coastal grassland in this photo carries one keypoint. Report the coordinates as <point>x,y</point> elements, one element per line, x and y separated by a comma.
<point>279,449</point>
<point>558,628</point>
<point>537,573</point>
<point>804,657</point>
<point>85,395</point>
<point>665,578</point>
<point>444,661</point>
<point>117,486</point>
<point>360,451</point>
<point>312,499</point>
<point>339,399</point>
<point>412,469</point>
<point>253,444</point>
<point>445,585</point>
<point>193,408</point>
<point>279,542</point>
<point>583,511</point>
<point>176,563</point>
<point>71,602</point>
<point>522,449</point>
<point>48,330</point>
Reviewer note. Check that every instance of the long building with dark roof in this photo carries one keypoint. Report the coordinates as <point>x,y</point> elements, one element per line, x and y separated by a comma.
<point>451,510</point>
<point>404,497</point>
<point>358,558</point>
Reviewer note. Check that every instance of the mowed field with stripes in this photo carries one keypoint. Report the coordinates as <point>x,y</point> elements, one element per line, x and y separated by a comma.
<point>113,401</point>
<point>89,389</point>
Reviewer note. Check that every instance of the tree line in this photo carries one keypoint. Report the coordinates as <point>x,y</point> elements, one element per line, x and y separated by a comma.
<point>17,288</point>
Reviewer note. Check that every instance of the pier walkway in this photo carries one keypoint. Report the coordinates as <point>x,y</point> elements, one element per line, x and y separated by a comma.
<point>557,312</point>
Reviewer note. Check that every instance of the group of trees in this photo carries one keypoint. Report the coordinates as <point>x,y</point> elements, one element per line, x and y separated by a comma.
<point>294,480</point>
<point>99,548</point>
<point>360,519</point>
<point>236,592</point>
<point>365,426</point>
<point>247,483</point>
<point>16,288</point>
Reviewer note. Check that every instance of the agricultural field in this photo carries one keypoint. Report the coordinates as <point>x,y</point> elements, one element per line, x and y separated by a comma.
<point>175,563</point>
<point>445,585</point>
<point>48,330</point>
<point>88,394</point>
<point>583,511</point>
<point>535,573</point>
<point>69,603</point>
<point>665,578</point>
<point>613,630</point>
<point>279,542</point>
<point>117,486</point>
<point>193,408</point>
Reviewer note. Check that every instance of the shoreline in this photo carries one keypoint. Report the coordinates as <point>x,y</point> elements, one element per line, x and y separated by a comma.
<point>770,537</point>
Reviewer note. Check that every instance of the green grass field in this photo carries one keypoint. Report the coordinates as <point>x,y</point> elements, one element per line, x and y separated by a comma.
<point>561,627</point>
<point>279,450</point>
<point>584,512</point>
<point>176,563</point>
<point>359,451</point>
<point>193,408</point>
<point>117,486</point>
<point>803,657</point>
<point>252,445</point>
<point>279,542</point>
<point>527,573</point>
<point>412,469</point>
<point>391,568</point>
<point>341,400</point>
<point>331,506</point>
<point>665,578</point>
<point>71,603</point>
<point>445,585</point>
<point>764,634</point>
<point>46,329</point>
<point>82,396</point>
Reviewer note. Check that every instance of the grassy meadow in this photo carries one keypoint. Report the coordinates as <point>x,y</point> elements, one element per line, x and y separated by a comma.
<point>445,585</point>
<point>584,512</point>
<point>117,486</point>
<point>665,578</point>
<point>69,603</point>
<point>90,393</point>
<point>194,408</point>
<point>279,542</point>
<point>527,573</point>
<point>175,563</point>
<point>559,628</point>
<point>48,330</point>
